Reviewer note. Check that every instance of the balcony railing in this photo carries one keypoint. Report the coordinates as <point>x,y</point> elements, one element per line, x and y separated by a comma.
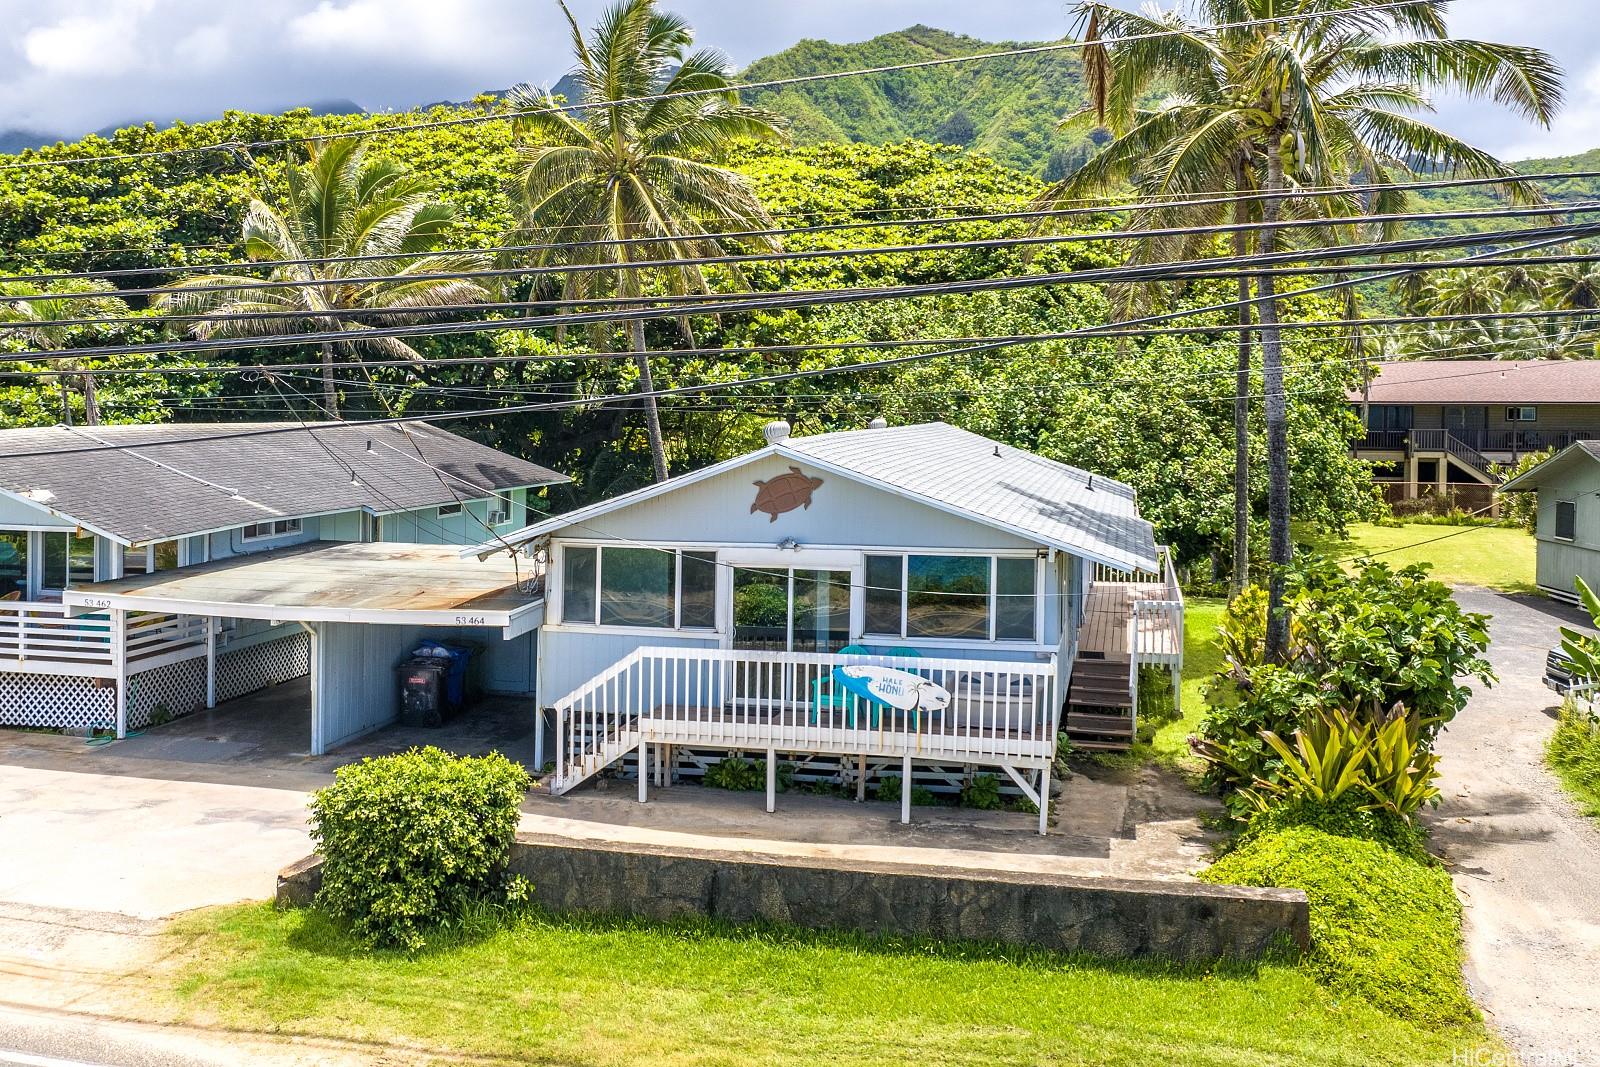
<point>1514,442</point>
<point>1002,712</point>
<point>38,637</point>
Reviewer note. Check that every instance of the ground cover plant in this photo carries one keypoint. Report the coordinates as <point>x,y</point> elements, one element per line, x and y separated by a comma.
<point>536,989</point>
<point>415,841</point>
<point>1385,926</point>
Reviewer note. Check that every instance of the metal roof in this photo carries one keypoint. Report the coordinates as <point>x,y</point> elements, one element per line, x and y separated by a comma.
<point>1539,476</point>
<point>428,585</point>
<point>160,481</point>
<point>956,471</point>
<point>1484,381</point>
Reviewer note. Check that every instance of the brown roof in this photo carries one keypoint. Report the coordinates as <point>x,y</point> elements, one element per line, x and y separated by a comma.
<point>1486,381</point>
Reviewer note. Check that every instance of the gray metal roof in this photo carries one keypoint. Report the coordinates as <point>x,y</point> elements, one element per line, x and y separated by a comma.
<point>1543,474</point>
<point>159,481</point>
<point>1051,503</point>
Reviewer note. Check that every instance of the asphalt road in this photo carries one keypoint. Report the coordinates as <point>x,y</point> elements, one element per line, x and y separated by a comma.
<point>1525,861</point>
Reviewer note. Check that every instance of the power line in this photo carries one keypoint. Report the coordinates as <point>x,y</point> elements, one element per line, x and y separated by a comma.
<point>237,147</point>
<point>1036,215</point>
<point>741,302</point>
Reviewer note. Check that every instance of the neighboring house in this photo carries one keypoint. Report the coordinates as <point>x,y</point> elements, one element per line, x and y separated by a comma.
<point>147,571</point>
<point>707,613</point>
<point>1443,427</point>
<point>1568,531</point>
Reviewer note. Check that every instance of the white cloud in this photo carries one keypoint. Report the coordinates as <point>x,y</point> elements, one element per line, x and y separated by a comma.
<point>83,64</point>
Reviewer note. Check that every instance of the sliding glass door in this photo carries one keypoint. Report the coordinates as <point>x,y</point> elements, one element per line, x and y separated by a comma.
<point>790,609</point>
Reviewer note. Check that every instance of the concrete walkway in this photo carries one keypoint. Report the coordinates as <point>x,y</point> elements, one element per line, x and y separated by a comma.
<point>1525,862</point>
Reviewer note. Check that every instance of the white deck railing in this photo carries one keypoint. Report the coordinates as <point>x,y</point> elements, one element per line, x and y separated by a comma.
<point>1003,713</point>
<point>38,637</point>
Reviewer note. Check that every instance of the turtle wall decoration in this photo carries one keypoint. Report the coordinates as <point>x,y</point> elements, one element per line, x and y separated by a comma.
<point>784,493</point>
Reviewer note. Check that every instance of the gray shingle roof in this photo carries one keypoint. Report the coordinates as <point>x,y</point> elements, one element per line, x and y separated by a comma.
<point>169,480</point>
<point>1056,504</point>
<point>1036,498</point>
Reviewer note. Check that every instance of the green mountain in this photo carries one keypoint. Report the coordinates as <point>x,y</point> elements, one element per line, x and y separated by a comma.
<point>1005,108</point>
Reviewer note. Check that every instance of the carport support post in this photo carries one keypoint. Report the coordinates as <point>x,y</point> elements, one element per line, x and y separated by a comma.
<point>905,788</point>
<point>772,780</point>
<point>211,661</point>
<point>119,660</point>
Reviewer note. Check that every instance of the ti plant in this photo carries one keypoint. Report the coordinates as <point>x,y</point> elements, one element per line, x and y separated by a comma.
<point>1581,648</point>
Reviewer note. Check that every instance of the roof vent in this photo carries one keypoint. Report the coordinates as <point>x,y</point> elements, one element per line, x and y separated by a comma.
<point>775,432</point>
<point>879,423</point>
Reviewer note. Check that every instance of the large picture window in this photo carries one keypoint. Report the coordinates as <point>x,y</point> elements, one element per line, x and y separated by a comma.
<point>638,587</point>
<point>971,598</point>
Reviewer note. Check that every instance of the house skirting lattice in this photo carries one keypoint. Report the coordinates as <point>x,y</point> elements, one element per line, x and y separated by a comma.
<point>67,703</point>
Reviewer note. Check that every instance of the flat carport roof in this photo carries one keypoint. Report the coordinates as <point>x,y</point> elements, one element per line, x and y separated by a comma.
<point>377,583</point>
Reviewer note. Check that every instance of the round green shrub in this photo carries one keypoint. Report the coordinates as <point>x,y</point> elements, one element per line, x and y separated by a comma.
<point>1384,927</point>
<point>412,841</point>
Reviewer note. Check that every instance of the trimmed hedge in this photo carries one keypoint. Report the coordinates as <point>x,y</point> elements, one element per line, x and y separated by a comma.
<point>414,840</point>
<point>1385,927</point>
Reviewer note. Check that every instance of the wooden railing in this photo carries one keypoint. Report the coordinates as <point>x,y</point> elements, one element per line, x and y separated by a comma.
<point>1000,712</point>
<point>40,638</point>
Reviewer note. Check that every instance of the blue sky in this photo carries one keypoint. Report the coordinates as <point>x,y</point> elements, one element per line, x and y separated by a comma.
<point>74,65</point>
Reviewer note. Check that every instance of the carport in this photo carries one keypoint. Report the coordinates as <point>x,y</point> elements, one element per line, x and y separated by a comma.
<point>365,606</point>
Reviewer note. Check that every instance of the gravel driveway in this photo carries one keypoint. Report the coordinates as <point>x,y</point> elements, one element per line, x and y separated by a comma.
<point>1526,863</point>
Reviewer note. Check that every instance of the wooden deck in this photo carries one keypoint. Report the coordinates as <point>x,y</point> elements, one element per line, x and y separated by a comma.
<point>1107,609</point>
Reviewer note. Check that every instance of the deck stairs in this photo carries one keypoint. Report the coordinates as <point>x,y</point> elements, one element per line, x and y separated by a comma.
<point>1100,704</point>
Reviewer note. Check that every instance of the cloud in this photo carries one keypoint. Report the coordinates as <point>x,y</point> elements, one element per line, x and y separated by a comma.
<point>83,64</point>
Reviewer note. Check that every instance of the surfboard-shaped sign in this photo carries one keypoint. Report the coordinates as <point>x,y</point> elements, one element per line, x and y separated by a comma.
<point>898,689</point>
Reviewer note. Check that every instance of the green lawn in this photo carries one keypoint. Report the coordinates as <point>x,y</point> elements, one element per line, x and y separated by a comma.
<point>625,993</point>
<point>1496,557</point>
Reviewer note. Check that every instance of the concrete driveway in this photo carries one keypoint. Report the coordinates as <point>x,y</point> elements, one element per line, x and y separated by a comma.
<point>1525,862</point>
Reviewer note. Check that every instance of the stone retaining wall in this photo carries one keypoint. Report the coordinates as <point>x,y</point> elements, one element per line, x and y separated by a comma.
<point>1113,917</point>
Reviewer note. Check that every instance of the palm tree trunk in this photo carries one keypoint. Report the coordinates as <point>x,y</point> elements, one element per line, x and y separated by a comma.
<point>1277,407</point>
<point>91,402</point>
<point>647,388</point>
<point>330,395</point>
<point>1241,409</point>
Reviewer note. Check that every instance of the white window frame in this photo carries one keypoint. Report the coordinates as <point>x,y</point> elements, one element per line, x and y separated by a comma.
<point>994,558</point>
<point>559,569</point>
<point>1522,413</point>
<point>291,528</point>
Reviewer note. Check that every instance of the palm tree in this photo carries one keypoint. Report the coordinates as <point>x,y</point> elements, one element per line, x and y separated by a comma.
<point>44,323</point>
<point>1326,101</point>
<point>339,205</point>
<point>626,180</point>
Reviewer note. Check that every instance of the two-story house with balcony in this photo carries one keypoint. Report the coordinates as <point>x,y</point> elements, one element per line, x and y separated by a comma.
<point>1446,428</point>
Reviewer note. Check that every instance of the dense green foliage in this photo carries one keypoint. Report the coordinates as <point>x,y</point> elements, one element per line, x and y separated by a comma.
<point>1364,643</point>
<point>1573,753</point>
<point>1384,927</point>
<point>1072,399</point>
<point>1007,109</point>
<point>413,841</point>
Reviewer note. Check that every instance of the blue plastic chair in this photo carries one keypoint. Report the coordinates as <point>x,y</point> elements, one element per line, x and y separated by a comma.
<point>826,694</point>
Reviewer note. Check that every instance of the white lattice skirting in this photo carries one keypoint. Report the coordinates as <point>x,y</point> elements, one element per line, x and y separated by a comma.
<point>86,703</point>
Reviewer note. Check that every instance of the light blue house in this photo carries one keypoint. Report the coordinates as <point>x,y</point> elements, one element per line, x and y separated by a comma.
<point>707,613</point>
<point>148,571</point>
